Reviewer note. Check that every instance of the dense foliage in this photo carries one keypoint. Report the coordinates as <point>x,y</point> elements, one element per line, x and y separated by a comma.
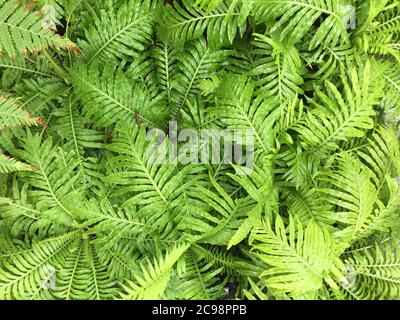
<point>85,214</point>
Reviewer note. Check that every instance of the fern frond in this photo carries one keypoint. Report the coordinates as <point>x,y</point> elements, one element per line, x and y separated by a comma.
<point>209,227</point>
<point>199,279</point>
<point>256,292</point>
<point>358,200</point>
<point>327,61</point>
<point>8,164</point>
<point>237,108</point>
<point>292,115</point>
<point>53,179</point>
<point>189,21</point>
<point>156,188</point>
<point>115,182</point>
<point>73,127</point>
<point>20,216</point>
<point>120,33</point>
<point>379,33</point>
<point>83,277</point>
<point>336,117</point>
<point>21,31</point>
<point>13,115</point>
<point>392,91</point>
<point>24,275</point>
<point>13,69</point>
<point>372,274</point>
<point>196,64</point>
<point>151,285</point>
<point>277,69</point>
<point>382,155</point>
<point>41,93</point>
<point>293,19</point>
<point>121,258</point>
<point>165,60</point>
<point>109,97</point>
<point>299,261</point>
<point>308,204</point>
<point>104,218</point>
<point>296,166</point>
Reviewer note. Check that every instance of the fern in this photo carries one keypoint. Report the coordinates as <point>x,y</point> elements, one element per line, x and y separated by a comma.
<point>31,274</point>
<point>297,267</point>
<point>197,63</point>
<point>341,117</point>
<point>99,91</point>
<point>221,21</point>
<point>128,31</point>
<point>98,200</point>
<point>22,32</point>
<point>152,285</point>
<point>377,266</point>
<point>238,110</point>
<point>13,115</point>
<point>277,69</point>
<point>8,164</point>
<point>295,19</point>
<point>381,28</point>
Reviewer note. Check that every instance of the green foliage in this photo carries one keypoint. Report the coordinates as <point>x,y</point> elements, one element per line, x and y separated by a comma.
<point>155,277</point>
<point>372,266</point>
<point>120,32</point>
<point>13,115</point>
<point>222,21</point>
<point>22,31</point>
<point>299,260</point>
<point>88,211</point>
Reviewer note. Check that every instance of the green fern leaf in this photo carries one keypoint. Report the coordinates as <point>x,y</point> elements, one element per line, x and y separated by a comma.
<point>120,33</point>
<point>22,31</point>
<point>221,22</point>
<point>299,261</point>
<point>155,277</point>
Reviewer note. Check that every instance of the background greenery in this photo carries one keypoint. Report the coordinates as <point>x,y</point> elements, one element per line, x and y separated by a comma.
<point>85,215</point>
